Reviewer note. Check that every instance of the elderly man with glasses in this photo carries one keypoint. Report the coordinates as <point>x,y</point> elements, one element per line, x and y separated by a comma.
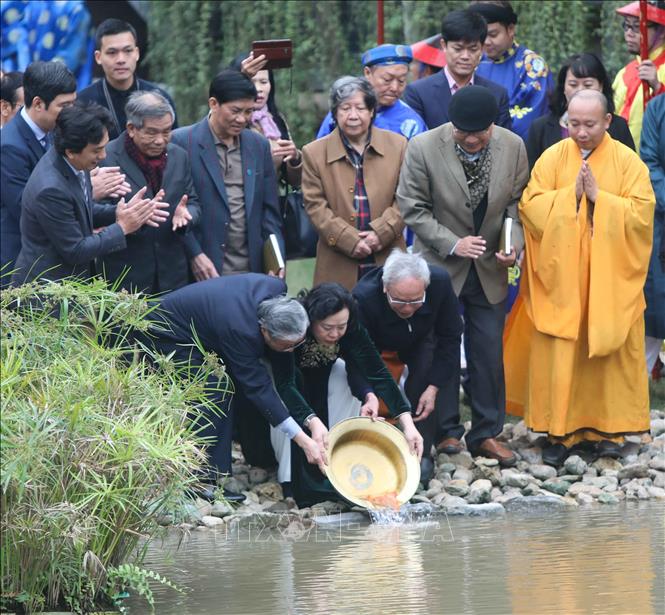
<point>628,94</point>
<point>409,308</point>
<point>458,185</point>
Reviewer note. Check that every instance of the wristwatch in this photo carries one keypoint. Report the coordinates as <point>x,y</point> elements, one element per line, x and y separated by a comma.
<point>308,420</point>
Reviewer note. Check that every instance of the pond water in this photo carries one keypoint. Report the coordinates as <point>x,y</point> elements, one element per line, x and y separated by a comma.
<point>595,560</point>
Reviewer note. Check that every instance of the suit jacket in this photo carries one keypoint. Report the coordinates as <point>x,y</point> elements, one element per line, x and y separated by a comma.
<point>260,184</point>
<point>430,97</point>
<point>223,312</point>
<point>328,187</point>
<point>434,199</point>
<point>438,316</point>
<point>20,153</point>
<point>57,225</point>
<point>155,254</point>
<point>546,131</point>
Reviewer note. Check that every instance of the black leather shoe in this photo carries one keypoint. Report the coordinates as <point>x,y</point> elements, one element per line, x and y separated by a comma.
<point>555,455</point>
<point>426,470</point>
<point>585,450</point>
<point>205,492</point>
<point>607,448</point>
<point>232,496</point>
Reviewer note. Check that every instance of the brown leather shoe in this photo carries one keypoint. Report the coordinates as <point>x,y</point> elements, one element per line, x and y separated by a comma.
<point>493,449</point>
<point>450,446</point>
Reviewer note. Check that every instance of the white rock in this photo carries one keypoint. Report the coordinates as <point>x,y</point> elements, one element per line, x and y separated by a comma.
<point>657,427</point>
<point>211,521</point>
<point>575,465</point>
<point>457,487</point>
<point>542,472</point>
<point>511,479</point>
<point>479,492</point>
<point>584,499</point>
<point>658,462</point>
<point>656,492</point>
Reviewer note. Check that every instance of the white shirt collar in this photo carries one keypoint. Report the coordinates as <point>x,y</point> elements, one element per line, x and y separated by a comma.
<point>36,130</point>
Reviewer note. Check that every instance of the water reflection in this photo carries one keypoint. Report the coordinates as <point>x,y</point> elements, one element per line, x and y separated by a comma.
<point>601,560</point>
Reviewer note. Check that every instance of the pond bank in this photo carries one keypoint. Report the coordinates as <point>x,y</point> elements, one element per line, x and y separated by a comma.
<point>463,485</point>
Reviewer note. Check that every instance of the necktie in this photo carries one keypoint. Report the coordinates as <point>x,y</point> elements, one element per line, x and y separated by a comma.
<point>46,141</point>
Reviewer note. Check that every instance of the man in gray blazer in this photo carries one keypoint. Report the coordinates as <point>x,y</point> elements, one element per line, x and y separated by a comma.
<point>156,259</point>
<point>458,184</point>
<point>60,223</point>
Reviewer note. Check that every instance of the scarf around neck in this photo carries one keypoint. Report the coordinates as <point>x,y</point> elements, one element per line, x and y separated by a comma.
<point>264,119</point>
<point>152,168</point>
<point>477,173</point>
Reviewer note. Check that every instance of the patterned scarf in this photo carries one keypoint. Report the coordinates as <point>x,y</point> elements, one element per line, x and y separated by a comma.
<point>313,354</point>
<point>477,173</point>
<point>269,128</point>
<point>152,168</point>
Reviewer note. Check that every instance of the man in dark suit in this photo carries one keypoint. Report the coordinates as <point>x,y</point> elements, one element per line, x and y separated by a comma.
<point>463,34</point>
<point>117,52</point>
<point>411,308</point>
<point>238,318</point>
<point>155,259</point>
<point>59,217</point>
<point>48,88</point>
<point>235,180</point>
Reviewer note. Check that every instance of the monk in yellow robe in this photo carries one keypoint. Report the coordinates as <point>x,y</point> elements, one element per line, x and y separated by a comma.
<point>575,354</point>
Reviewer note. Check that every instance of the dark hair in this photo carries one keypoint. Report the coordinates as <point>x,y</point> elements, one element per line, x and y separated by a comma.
<point>581,65</point>
<point>9,84</point>
<point>79,125</point>
<point>231,84</point>
<point>272,103</point>
<point>47,80</point>
<point>495,11</point>
<point>109,27</point>
<point>464,25</point>
<point>327,299</point>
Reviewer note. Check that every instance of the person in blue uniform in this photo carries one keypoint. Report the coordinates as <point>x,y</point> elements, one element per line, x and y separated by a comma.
<point>386,67</point>
<point>521,71</point>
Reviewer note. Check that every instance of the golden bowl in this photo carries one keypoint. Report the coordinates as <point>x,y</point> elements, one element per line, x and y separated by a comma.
<point>370,460</point>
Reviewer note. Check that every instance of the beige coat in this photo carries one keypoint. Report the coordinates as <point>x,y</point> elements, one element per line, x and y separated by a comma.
<point>433,197</point>
<point>328,185</point>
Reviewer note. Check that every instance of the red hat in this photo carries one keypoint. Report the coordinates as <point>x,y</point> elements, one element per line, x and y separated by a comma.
<point>655,11</point>
<point>429,51</point>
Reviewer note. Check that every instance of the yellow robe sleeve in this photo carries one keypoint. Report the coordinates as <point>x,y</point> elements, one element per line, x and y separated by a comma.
<point>552,237</point>
<point>620,252</point>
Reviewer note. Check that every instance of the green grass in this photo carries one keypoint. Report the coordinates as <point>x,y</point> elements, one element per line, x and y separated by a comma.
<point>96,444</point>
<point>299,275</point>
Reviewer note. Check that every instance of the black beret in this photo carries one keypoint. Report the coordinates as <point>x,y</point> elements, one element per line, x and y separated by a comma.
<point>473,108</point>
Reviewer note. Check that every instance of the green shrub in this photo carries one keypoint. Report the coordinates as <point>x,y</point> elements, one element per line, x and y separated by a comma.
<point>96,445</point>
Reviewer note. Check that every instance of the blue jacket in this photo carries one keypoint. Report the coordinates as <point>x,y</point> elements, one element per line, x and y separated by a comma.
<point>430,97</point>
<point>260,184</point>
<point>652,151</point>
<point>20,152</point>
<point>222,311</point>
<point>528,80</point>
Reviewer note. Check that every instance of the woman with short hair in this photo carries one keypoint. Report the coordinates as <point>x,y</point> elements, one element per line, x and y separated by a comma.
<point>313,385</point>
<point>349,181</point>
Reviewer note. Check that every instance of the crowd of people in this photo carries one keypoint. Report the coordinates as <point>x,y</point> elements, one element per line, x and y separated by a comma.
<point>479,166</point>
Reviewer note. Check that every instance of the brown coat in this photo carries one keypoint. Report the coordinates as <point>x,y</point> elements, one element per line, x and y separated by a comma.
<point>328,185</point>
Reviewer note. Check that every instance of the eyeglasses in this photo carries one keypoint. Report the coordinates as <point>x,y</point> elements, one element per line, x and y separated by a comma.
<point>394,301</point>
<point>294,346</point>
<point>634,27</point>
